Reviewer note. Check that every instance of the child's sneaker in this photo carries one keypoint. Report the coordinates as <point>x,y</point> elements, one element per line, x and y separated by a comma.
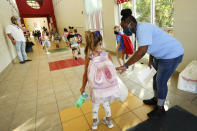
<point>108,123</point>
<point>95,125</point>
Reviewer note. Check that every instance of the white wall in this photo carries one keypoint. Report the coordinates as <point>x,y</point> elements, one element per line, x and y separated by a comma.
<point>110,19</point>
<point>7,50</point>
<point>185,29</point>
<point>69,13</point>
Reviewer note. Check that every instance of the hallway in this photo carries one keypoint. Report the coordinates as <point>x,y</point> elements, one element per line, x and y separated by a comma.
<point>34,98</point>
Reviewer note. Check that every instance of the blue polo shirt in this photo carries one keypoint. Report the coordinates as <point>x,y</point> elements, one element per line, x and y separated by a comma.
<point>119,39</point>
<point>161,45</point>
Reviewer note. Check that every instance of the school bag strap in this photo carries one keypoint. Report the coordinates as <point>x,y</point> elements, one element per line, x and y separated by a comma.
<point>128,45</point>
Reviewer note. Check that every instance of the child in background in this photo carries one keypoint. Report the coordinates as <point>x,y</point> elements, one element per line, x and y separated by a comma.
<point>57,39</point>
<point>101,75</point>
<point>79,40</point>
<point>73,42</point>
<point>45,42</point>
<point>120,45</point>
<point>65,35</point>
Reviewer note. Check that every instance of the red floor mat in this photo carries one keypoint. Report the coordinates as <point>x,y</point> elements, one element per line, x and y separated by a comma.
<point>57,65</point>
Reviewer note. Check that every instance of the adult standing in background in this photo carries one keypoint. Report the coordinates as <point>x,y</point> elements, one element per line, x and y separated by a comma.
<point>15,33</point>
<point>165,51</point>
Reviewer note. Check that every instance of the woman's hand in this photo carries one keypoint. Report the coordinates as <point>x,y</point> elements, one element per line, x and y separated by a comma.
<point>121,69</point>
<point>82,90</point>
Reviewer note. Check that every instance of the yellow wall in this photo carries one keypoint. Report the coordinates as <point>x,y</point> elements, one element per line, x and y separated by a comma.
<point>185,29</point>
<point>7,50</point>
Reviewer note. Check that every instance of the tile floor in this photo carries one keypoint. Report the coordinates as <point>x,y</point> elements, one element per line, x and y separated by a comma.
<point>33,98</point>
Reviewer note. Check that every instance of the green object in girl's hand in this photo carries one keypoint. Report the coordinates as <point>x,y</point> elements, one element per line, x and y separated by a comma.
<point>81,100</point>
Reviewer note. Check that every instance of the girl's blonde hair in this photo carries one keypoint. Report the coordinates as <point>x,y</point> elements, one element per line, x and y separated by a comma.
<point>92,40</point>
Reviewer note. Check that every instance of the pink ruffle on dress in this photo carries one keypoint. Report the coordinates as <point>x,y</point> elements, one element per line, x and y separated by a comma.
<point>102,79</point>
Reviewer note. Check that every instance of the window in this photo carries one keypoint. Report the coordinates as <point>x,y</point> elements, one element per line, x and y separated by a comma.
<point>159,12</point>
<point>143,12</point>
<point>127,5</point>
<point>164,14</point>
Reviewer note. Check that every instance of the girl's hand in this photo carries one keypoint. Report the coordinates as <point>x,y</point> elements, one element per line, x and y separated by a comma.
<point>121,68</point>
<point>82,90</point>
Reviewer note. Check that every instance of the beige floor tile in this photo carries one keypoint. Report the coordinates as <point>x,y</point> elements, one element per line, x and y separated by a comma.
<point>45,93</point>
<point>82,125</point>
<point>10,96</point>
<point>5,122</point>
<point>43,110</point>
<point>24,120</point>
<point>67,94</point>
<point>12,89</point>
<point>132,102</point>
<point>29,89</point>
<point>70,113</point>
<point>127,120</point>
<point>63,104</point>
<point>59,83</point>
<point>60,89</point>
<point>26,98</point>
<point>117,108</point>
<point>23,106</point>
<point>7,109</point>
<point>141,112</point>
<point>49,123</point>
<point>44,87</point>
<point>26,125</point>
<point>46,99</point>
<point>29,86</point>
<point>42,83</point>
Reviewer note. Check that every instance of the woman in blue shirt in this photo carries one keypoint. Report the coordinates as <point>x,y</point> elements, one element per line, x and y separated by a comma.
<point>165,51</point>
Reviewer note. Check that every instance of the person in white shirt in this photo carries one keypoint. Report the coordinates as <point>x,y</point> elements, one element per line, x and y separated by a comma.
<point>16,35</point>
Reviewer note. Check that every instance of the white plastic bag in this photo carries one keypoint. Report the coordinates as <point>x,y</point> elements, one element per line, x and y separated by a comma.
<point>123,90</point>
<point>188,78</point>
<point>146,75</point>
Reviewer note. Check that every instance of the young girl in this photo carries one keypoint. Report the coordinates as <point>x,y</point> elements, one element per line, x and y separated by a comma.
<point>45,42</point>
<point>101,76</point>
<point>65,35</point>
<point>73,43</point>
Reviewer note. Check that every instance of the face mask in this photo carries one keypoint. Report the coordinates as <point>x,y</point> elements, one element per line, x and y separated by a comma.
<point>116,33</point>
<point>128,31</point>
